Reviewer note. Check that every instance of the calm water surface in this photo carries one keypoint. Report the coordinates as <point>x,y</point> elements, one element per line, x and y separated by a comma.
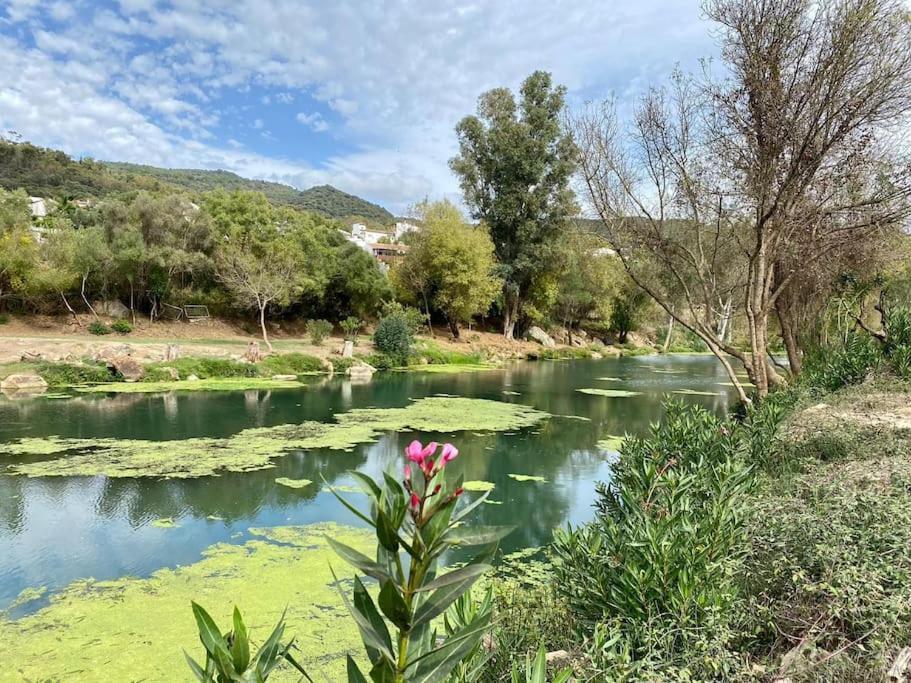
<point>54,530</point>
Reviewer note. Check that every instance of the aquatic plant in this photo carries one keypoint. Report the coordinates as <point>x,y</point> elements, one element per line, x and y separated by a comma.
<point>610,393</point>
<point>228,657</point>
<point>417,518</point>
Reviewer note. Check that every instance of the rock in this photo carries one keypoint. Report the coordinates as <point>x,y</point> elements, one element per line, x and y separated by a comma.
<point>192,378</point>
<point>596,355</point>
<point>253,353</point>
<point>285,378</point>
<point>108,353</point>
<point>557,657</point>
<point>24,382</point>
<point>348,349</point>
<point>129,367</point>
<point>535,333</point>
<point>112,309</point>
<point>578,342</point>
<point>31,357</point>
<point>172,352</point>
<point>361,372</point>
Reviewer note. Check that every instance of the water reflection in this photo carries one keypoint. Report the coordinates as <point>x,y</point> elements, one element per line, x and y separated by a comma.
<point>55,530</point>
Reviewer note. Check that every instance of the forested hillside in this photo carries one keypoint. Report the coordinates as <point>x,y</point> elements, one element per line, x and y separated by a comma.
<point>44,172</point>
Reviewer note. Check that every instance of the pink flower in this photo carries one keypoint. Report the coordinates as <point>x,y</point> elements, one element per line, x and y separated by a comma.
<point>415,501</point>
<point>417,452</point>
<point>407,471</point>
<point>450,452</point>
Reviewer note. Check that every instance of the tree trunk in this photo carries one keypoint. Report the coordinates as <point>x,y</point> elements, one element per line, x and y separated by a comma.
<point>510,314</point>
<point>70,309</point>
<point>427,313</point>
<point>132,309</point>
<point>667,337</point>
<point>85,299</point>
<point>789,338</point>
<point>454,328</point>
<point>262,323</point>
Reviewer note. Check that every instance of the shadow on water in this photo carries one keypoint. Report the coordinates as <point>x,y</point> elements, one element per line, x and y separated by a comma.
<point>54,530</point>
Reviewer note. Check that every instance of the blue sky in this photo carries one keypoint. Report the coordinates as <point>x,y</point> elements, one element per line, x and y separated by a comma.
<point>363,95</point>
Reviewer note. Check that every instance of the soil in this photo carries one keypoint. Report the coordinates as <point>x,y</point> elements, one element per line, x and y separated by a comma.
<point>57,338</point>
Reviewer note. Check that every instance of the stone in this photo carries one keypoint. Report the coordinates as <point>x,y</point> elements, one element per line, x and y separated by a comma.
<point>192,378</point>
<point>535,333</point>
<point>285,378</point>
<point>129,367</point>
<point>361,372</point>
<point>348,349</point>
<point>557,657</point>
<point>172,352</point>
<point>26,382</point>
<point>112,309</point>
<point>253,354</point>
<point>109,352</point>
<point>31,357</point>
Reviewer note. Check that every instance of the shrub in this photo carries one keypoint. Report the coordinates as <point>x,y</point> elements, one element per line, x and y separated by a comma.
<point>350,327</point>
<point>848,362</point>
<point>340,365</point>
<point>290,364</point>
<point>4,318</point>
<point>393,337</point>
<point>657,564</point>
<point>319,330</point>
<point>65,374</point>
<point>417,520</point>
<point>898,341</point>
<point>205,368</point>
<point>567,353</point>
<point>412,316</point>
<point>380,361</point>
<point>99,328</point>
<point>121,327</point>
<point>228,656</point>
<point>434,355</point>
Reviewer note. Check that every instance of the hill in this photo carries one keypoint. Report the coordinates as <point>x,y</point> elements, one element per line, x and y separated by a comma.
<point>44,172</point>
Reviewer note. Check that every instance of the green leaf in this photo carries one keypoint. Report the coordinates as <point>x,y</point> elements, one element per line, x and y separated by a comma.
<point>393,605</point>
<point>437,664</point>
<point>464,512</point>
<point>198,671</point>
<point>354,673</point>
<point>442,598</point>
<point>212,638</point>
<point>477,535</point>
<point>348,505</point>
<point>240,648</point>
<point>373,629</point>
<point>367,484</point>
<point>471,570</point>
<point>358,560</point>
<point>268,654</point>
<point>386,532</point>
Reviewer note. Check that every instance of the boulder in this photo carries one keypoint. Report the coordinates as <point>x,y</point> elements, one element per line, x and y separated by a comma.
<point>108,353</point>
<point>192,378</point>
<point>362,372</point>
<point>24,382</point>
<point>129,367</point>
<point>112,309</point>
<point>253,354</point>
<point>31,357</point>
<point>535,333</point>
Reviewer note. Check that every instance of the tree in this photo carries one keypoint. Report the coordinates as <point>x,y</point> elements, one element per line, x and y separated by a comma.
<point>514,165</point>
<point>733,187</point>
<point>18,248</point>
<point>261,256</point>
<point>450,264</point>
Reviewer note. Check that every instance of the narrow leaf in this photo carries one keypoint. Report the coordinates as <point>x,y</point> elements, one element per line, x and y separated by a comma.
<point>393,605</point>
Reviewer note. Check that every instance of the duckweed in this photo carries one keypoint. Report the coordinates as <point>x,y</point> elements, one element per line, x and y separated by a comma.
<point>146,622</point>
<point>293,483</point>
<point>253,449</point>
<point>526,477</point>
<point>611,393</point>
<point>476,485</point>
<point>210,384</point>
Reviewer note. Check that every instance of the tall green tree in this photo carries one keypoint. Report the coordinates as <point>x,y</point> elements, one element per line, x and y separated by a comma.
<point>18,248</point>
<point>514,164</point>
<point>450,265</point>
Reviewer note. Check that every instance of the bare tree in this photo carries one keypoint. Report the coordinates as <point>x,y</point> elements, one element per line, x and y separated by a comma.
<point>732,188</point>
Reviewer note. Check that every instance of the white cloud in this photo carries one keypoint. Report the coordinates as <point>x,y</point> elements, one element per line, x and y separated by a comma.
<point>314,121</point>
<point>138,81</point>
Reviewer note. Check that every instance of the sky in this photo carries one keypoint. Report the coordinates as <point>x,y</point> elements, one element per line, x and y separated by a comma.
<point>360,94</point>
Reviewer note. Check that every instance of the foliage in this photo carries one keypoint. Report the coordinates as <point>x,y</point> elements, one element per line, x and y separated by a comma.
<point>420,521</point>
<point>657,565</point>
<point>228,656</point>
<point>567,353</point>
<point>393,338</point>
<point>18,248</point>
<point>412,316</point>
<point>355,285</point>
<point>848,361</point>
<point>586,279</point>
<point>204,368</point>
<point>4,318</point>
<point>98,328</point>
<point>121,327</point>
<point>628,306</point>
<point>68,374</point>
<point>327,200</point>
<point>432,353</point>
<point>351,326</point>
<point>514,165</point>
<point>536,670</point>
<point>340,365</point>
<point>290,364</point>
<point>450,266</point>
<point>897,345</point>
<point>318,330</point>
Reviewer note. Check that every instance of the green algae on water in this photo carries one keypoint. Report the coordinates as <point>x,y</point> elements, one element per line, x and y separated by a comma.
<point>293,483</point>
<point>526,477</point>
<point>448,368</point>
<point>26,596</point>
<point>477,485</point>
<point>132,629</point>
<point>610,393</point>
<point>609,379</point>
<point>254,449</point>
<point>164,523</point>
<point>209,384</point>
<point>694,392</point>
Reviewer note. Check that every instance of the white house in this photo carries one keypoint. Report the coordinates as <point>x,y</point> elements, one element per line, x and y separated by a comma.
<point>402,227</point>
<point>370,235</point>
